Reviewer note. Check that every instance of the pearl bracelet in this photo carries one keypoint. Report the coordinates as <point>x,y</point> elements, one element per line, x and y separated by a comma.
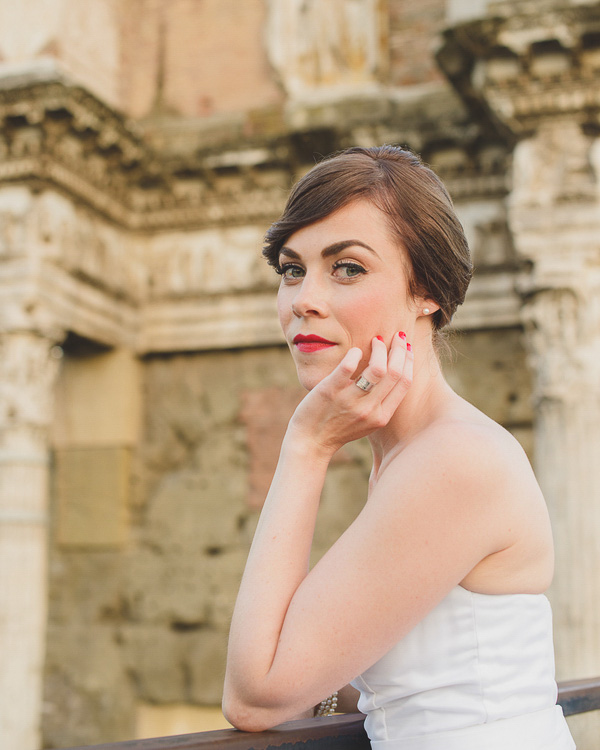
<point>328,706</point>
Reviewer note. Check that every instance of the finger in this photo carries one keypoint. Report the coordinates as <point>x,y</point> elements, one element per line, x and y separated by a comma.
<point>341,376</point>
<point>400,374</point>
<point>376,369</point>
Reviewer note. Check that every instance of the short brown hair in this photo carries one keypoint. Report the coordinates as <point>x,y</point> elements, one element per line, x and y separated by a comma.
<point>416,203</point>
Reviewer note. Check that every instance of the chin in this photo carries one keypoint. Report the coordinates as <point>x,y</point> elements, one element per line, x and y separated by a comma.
<point>309,377</point>
<point>308,382</point>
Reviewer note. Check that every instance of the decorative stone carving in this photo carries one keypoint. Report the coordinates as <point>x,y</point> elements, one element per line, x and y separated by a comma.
<point>316,46</point>
<point>527,63</point>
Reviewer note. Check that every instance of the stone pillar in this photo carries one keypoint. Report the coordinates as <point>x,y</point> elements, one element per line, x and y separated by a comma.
<point>27,373</point>
<point>554,214</point>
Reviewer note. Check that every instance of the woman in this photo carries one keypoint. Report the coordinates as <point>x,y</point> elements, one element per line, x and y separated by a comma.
<point>431,602</point>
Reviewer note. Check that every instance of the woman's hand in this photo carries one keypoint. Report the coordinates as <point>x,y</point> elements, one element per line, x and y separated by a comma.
<point>337,411</point>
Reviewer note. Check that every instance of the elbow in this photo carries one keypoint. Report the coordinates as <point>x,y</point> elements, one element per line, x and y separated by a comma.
<point>245,717</point>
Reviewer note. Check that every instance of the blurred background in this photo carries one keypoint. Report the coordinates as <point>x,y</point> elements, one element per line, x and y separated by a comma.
<point>145,146</point>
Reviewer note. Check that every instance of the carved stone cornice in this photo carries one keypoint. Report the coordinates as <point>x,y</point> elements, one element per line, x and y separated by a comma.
<point>53,132</point>
<point>57,133</point>
<point>528,62</point>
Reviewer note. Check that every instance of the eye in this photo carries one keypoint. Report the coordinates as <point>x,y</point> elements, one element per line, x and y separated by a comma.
<point>348,270</point>
<point>290,271</point>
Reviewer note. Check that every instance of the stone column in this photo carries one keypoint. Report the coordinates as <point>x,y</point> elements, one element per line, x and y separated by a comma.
<point>27,373</point>
<point>554,214</point>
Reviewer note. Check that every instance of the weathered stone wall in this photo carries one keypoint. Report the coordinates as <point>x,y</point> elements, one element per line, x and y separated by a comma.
<point>195,59</point>
<point>413,27</point>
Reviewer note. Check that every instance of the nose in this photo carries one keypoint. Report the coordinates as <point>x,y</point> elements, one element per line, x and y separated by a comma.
<point>309,299</point>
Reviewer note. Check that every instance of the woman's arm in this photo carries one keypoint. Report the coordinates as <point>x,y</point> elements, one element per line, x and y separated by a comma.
<point>297,636</point>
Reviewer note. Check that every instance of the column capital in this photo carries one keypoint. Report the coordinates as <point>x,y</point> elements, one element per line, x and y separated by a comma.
<point>526,62</point>
<point>28,368</point>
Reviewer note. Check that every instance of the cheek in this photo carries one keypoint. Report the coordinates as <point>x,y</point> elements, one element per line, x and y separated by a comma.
<point>366,313</point>
<point>381,312</point>
<point>283,308</point>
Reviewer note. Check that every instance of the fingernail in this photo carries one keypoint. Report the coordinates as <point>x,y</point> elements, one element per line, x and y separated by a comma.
<point>409,347</point>
<point>402,334</point>
<point>380,338</point>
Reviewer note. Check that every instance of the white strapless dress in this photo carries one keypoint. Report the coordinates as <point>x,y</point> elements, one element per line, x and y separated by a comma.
<point>476,674</point>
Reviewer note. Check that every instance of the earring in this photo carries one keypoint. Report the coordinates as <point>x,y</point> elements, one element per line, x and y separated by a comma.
<point>426,311</point>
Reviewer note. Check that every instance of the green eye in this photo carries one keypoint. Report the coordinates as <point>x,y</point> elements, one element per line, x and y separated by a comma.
<point>291,271</point>
<point>348,270</point>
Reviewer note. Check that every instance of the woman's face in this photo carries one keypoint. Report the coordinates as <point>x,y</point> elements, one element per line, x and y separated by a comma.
<point>343,282</point>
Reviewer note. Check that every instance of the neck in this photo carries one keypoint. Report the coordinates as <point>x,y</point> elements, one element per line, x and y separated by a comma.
<point>428,396</point>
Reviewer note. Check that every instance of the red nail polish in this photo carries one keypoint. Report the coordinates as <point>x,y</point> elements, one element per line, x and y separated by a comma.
<point>402,334</point>
<point>409,347</point>
<point>379,337</point>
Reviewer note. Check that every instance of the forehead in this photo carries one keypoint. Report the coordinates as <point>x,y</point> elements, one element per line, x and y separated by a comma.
<point>359,220</point>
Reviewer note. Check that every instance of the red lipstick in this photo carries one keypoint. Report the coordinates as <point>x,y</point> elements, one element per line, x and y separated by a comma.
<point>312,343</point>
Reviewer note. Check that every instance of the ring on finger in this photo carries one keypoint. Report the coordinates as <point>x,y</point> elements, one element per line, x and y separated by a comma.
<point>364,384</point>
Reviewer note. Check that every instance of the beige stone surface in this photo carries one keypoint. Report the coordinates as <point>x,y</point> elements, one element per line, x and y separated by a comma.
<point>206,665</point>
<point>98,400</point>
<point>27,373</point>
<point>84,38</point>
<point>480,358</point>
<point>92,494</point>
<point>266,413</point>
<point>327,49</point>
<point>195,59</point>
<point>177,718</point>
<point>88,693</point>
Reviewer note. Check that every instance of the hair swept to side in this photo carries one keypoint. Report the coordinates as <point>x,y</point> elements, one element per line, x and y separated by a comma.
<point>418,208</point>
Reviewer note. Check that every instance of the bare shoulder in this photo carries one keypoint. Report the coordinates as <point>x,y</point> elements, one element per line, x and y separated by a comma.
<point>483,474</point>
<point>468,468</point>
<point>468,444</point>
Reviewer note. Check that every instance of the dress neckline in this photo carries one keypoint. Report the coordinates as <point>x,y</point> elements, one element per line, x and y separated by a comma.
<point>484,594</point>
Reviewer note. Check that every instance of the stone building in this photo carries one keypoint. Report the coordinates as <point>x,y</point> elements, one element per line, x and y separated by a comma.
<point>144,385</point>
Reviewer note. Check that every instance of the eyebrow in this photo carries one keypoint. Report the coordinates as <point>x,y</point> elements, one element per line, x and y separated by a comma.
<point>333,249</point>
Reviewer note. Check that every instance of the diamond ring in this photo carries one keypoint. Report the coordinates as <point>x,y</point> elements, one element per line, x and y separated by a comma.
<point>364,384</point>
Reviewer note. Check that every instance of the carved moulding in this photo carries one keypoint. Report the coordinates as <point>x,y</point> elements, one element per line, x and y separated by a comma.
<point>55,133</point>
<point>59,134</point>
<point>527,63</point>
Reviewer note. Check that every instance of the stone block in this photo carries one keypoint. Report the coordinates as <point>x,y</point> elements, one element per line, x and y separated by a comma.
<point>205,660</point>
<point>167,587</point>
<point>89,696</point>
<point>209,31</point>
<point>266,413</point>
<point>223,576</point>
<point>98,400</point>
<point>92,489</point>
<point>193,511</point>
<point>90,584</point>
<point>154,657</point>
<point>413,30</point>
<point>343,497</point>
<point>489,369</point>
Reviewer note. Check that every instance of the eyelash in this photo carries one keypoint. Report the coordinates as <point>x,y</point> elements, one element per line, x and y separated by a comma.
<point>281,270</point>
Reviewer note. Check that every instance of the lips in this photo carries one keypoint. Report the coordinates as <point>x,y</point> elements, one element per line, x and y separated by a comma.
<point>312,343</point>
